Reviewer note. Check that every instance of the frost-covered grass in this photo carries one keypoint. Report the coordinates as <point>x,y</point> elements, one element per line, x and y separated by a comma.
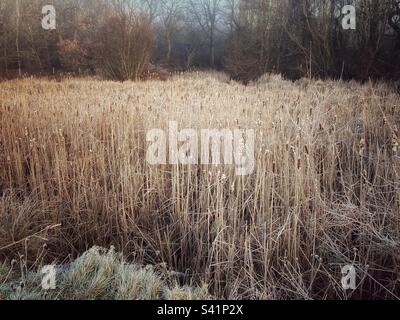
<point>98,274</point>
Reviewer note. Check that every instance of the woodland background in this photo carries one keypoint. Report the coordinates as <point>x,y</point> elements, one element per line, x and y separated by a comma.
<point>133,39</point>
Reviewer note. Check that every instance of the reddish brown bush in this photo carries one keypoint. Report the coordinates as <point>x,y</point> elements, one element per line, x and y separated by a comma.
<point>154,72</point>
<point>72,55</point>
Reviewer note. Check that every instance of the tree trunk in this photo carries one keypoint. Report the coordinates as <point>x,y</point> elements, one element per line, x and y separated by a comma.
<point>17,8</point>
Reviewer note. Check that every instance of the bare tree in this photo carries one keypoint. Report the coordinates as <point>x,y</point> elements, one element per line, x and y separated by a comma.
<point>172,23</point>
<point>208,14</point>
<point>151,8</point>
<point>17,28</point>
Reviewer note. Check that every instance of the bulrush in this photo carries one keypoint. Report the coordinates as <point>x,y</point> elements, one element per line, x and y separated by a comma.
<point>73,154</point>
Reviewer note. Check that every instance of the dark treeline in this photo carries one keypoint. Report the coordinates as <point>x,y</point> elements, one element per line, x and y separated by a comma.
<point>127,39</point>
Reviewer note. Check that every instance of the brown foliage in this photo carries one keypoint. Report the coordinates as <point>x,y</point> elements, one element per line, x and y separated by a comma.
<point>154,72</point>
<point>72,55</point>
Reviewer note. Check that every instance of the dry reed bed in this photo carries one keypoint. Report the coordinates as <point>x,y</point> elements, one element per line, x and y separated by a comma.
<point>324,192</point>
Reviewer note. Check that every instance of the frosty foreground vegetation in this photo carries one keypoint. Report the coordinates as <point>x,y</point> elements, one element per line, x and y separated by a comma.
<point>97,274</point>
<point>324,192</point>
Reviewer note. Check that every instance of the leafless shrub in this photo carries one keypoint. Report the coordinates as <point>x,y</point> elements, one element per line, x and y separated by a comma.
<point>125,44</point>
